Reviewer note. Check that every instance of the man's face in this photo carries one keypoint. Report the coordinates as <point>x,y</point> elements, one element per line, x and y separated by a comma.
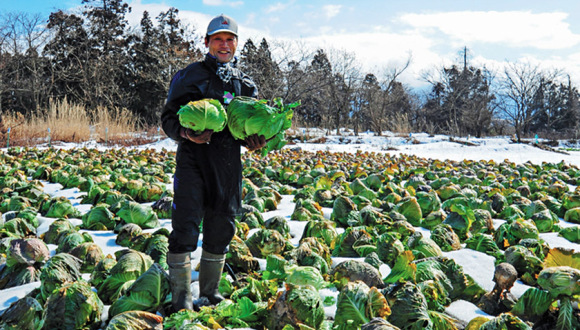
<point>222,45</point>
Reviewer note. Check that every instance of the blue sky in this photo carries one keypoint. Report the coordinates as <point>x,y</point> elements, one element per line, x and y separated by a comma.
<point>382,34</point>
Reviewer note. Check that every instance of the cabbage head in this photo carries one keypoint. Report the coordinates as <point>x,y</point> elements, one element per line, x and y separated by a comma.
<point>248,116</point>
<point>127,233</point>
<point>357,304</point>
<point>279,224</point>
<point>355,270</point>
<point>410,308</point>
<point>265,242</point>
<point>240,258</point>
<point>428,201</point>
<point>560,280</point>
<point>423,247</point>
<point>25,313</point>
<point>17,227</point>
<point>56,230</point>
<point>201,115</point>
<point>134,320</point>
<point>27,251</point>
<point>305,275</point>
<point>61,207</point>
<point>102,270</point>
<point>72,240</point>
<point>130,265</point>
<point>73,306</point>
<point>445,237</point>
<point>349,240</point>
<point>344,212</point>
<point>311,252</point>
<point>99,218</point>
<point>324,230</point>
<point>410,208</point>
<point>573,215</point>
<point>163,207</point>
<point>389,247</point>
<point>147,293</point>
<point>17,275</point>
<point>142,215</point>
<point>90,253</point>
<point>434,218</point>
<point>297,305</point>
<point>61,269</point>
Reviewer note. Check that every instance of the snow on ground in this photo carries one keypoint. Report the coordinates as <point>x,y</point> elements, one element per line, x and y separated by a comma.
<point>480,266</point>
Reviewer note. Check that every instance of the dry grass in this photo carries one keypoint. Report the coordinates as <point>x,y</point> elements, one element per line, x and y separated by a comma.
<point>68,122</point>
<point>400,123</point>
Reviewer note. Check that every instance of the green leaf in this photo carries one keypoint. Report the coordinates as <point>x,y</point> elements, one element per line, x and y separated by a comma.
<point>442,321</point>
<point>352,304</point>
<point>562,257</point>
<point>566,316</point>
<point>135,320</point>
<point>147,293</point>
<point>404,269</point>
<point>533,303</point>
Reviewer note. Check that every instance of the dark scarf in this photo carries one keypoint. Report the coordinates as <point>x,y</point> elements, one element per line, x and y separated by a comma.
<point>225,71</point>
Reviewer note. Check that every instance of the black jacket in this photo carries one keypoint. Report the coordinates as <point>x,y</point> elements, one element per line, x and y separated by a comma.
<point>218,162</point>
<point>199,80</point>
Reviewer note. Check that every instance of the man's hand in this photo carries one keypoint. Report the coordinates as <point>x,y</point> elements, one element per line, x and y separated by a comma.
<point>189,134</point>
<point>255,142</point>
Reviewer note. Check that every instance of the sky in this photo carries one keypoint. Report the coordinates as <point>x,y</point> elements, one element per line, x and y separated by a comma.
<point>382,35</point>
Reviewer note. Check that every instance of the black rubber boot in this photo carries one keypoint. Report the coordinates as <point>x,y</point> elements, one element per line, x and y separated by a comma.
<point>210,273</point>
<point>180,278</point>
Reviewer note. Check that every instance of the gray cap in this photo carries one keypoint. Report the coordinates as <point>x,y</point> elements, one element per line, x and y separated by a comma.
<point>222,23</point>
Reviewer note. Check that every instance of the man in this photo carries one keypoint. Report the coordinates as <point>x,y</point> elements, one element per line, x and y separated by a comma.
<point>208,175</point>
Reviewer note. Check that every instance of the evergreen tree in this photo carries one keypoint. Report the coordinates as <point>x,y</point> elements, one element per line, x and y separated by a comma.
<point>258,64</point>
<point>69,56</point>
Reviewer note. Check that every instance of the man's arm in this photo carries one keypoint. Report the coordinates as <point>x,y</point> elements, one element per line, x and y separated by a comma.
<point>180,93</point>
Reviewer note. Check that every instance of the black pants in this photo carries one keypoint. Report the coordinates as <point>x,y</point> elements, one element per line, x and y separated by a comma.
<point>189,209</point>
<point>207,189</point>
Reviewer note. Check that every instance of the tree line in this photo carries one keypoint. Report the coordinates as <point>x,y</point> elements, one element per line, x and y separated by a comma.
<point>95,58</point>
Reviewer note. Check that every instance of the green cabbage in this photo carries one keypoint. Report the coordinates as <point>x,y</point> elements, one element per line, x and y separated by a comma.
<point>305,275</point>
<point>61,269</point>
<point>142,215</point>
<point>90,253</point>
<point>134,320</point>
<point>25,313</point>
<point>57,230</point>
<point>147,293</point>
<point>99,218</point>
<point>357,304</point>
<point>297,305</point>
<point>201,115</point>
<point>265,242</point>
<point>73,306</point>
<point>130,265</point>
<point>248,116</point>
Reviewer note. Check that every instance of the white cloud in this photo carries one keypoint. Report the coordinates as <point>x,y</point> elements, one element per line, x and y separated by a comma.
<point>222,3</point>
<point>384,50</point>
<point>422,36</point>
<point>513,28</point>
<point>279,6</point>
<point>331,10</point>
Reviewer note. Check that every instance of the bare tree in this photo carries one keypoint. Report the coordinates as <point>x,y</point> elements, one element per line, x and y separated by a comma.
<point>346,72</point>
<point>521,82</point>
<point>22,37</point>
<point>385,96</point>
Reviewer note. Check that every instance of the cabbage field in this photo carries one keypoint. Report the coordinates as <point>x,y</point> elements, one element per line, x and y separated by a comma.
<point>327,240</point>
